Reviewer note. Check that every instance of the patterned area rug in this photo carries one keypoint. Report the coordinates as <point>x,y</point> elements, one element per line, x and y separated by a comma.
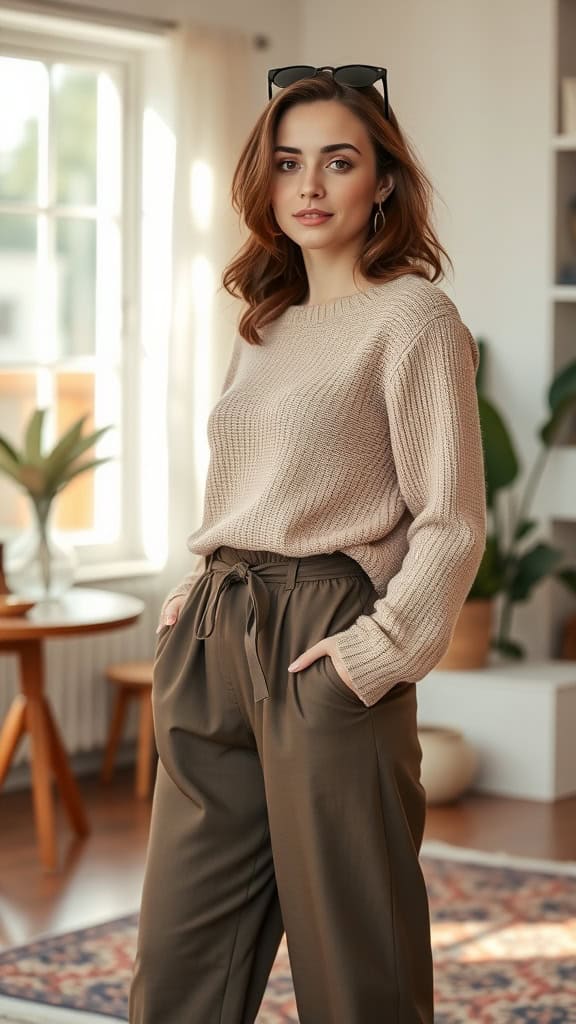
<point>503,930</point>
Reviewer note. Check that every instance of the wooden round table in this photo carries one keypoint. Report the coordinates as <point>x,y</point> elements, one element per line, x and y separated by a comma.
<point>80,610</point>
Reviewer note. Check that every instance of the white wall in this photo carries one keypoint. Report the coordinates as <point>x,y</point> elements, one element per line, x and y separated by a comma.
<point>274,25</point>
<point>472,86</point>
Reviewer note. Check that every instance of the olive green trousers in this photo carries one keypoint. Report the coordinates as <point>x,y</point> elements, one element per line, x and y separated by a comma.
<point>282,804</point>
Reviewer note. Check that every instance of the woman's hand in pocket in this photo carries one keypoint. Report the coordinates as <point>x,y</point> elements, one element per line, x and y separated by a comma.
<point>325,646</point>
<point>171,611</point>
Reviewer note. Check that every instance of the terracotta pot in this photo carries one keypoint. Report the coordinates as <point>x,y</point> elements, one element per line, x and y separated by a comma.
<point>568,648</point>
<point>449,763</point>
<point>470,643</point>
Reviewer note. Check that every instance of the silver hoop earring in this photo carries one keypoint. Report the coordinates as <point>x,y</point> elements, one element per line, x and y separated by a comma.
<point>379,213</point>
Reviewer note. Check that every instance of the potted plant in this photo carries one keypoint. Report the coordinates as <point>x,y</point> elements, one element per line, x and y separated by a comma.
<point>36,564</point>
<point>513,563</point>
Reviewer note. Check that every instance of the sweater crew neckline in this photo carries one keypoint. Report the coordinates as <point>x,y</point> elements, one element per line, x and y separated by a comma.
<point>320,311</point>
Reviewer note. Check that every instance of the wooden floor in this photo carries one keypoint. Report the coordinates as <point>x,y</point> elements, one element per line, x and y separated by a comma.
<point>101,877</point>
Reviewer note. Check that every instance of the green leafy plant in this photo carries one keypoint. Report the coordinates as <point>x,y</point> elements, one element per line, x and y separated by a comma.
<point>513,564</point>
<point>43,475</point>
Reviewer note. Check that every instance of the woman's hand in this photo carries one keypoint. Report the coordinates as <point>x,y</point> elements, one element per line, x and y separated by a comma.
<point>325,646</point>
<point>171,611</point>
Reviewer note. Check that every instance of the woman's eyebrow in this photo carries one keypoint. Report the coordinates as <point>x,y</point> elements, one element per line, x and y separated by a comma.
<point>325,149</point>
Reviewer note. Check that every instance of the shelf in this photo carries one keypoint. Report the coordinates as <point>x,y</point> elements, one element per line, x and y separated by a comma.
<point>564,142</point>
<point>563,292</point>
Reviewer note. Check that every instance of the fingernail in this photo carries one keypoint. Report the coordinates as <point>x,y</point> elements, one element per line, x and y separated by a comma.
<point>294,666</point>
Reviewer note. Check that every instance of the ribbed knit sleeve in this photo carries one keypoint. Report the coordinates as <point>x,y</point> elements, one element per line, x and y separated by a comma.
<point>432,407</point>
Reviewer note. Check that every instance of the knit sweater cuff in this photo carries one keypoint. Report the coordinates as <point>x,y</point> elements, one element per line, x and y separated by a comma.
<point>373,675</point>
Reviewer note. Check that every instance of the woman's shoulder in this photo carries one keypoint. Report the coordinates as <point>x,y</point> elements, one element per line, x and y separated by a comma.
<point>413,305</point>
<point>412,301</point>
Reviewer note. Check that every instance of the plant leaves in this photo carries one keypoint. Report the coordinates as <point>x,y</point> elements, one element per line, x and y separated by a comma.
<point>524,527</point>
<point>59,457</point>
<point>500,460</point>
<point>56,472</point>
<point>481,342</point>
<point>81,469</point>
<point>568,577</point>
<point>563,386</point>
<point>508,648</point>
<point>552,426</point>
<point>33,479</point>
<point>43,476</point>
<point>9,466</point>
<point>489,579</point>
<point>33,437</point>
<point>531,567</point>
<point>7,448</point>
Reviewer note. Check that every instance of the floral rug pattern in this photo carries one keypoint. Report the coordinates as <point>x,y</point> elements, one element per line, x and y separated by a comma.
<point>504,941</point>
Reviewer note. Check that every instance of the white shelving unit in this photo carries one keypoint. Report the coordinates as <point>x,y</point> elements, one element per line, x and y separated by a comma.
<point>520,716</point>
<point>558,498</point>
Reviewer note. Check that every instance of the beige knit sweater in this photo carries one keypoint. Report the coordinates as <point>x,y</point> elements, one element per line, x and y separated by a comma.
<point>355,427</point>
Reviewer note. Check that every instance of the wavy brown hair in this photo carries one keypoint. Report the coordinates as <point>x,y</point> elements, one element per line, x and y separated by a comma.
<point>268,272</point>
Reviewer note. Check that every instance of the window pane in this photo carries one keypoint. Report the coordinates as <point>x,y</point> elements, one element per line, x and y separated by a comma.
<point>74,509</point>
<point>18,289</point>
<point>17,402</point>
<point>76,285</point>
<point>23,87</point>
<point>75,111</point>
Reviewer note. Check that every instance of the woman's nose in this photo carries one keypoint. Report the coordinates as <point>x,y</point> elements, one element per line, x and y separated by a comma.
<point>310,185</point>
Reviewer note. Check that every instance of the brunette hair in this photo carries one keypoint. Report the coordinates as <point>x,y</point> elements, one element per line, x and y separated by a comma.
<point>268,272</point>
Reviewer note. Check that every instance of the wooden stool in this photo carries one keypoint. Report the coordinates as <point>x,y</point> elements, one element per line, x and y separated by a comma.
<point>133,679</point>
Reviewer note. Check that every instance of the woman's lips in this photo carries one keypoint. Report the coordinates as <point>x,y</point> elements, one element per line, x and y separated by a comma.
<point>313,218</point>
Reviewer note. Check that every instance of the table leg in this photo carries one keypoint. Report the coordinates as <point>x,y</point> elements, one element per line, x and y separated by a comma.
<point>32,683</point>
<point>47,755</point>
<point>12,732</point>
<point>66,781</point>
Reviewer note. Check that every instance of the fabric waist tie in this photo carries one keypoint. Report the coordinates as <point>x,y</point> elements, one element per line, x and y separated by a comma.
<point>226,563</point>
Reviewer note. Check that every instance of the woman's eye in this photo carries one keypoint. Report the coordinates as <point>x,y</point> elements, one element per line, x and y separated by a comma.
<point>337,160</point>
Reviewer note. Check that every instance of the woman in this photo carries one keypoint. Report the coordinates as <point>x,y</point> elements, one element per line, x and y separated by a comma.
<point>344,523</point>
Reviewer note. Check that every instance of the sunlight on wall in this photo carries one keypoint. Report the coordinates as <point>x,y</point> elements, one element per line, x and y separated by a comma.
<point>108,326</point>
<point>201,194</point>
<point>159,149</point>
<point>203,285</point>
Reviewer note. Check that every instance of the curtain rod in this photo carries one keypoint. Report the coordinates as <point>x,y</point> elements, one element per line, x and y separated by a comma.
<point>85,12</point>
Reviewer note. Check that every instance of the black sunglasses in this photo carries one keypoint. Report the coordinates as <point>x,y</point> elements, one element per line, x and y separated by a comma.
<point>359,76</point>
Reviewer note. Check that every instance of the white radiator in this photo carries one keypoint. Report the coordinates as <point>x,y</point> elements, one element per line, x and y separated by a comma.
<point>80,696</point>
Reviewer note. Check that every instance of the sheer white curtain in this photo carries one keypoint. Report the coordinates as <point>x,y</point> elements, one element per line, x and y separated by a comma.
<point>213,114</point>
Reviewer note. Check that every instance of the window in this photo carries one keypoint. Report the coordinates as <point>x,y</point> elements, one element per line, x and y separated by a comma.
<point>71,260</point>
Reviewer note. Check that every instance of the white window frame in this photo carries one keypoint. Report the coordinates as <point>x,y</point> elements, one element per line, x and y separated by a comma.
<point>47,37</point>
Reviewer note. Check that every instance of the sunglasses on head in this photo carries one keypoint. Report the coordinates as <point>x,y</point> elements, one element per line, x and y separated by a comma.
<point>359,76</point>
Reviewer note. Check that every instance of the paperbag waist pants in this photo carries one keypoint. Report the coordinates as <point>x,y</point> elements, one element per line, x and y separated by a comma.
<point>282,804</point>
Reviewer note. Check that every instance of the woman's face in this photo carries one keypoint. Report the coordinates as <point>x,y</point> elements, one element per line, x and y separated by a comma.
<point>341,181</point>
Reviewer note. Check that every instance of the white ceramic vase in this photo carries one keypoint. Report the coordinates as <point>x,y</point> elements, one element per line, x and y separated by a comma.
<point>449,763</point>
